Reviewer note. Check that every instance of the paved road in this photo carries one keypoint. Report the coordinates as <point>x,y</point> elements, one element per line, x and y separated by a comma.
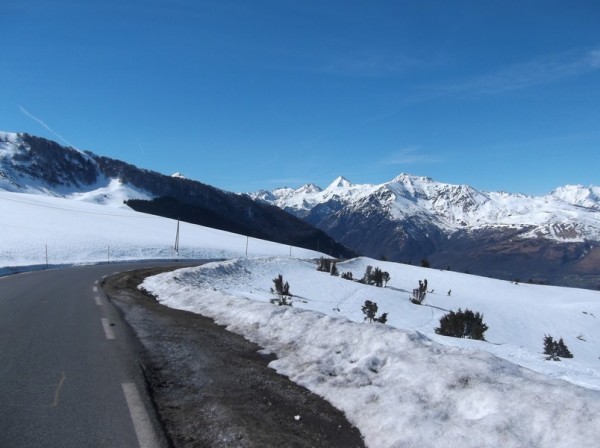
<point>69,374</point>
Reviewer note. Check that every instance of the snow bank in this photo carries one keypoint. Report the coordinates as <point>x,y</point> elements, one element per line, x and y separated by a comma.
<point>398,386</point>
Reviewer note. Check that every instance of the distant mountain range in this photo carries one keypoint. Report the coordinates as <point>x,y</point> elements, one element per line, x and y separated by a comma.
<point>549,239</point>
<point>30,164</point>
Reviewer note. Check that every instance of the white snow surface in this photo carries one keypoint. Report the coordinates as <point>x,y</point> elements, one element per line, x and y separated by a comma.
<point>112,192</point>
<point>79,231</point>
<point>401,384</point>
<point>105,191</point>
<point>569,213</point>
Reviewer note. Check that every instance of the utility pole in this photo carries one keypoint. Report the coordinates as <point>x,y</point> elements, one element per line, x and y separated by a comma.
<point>176,247</point>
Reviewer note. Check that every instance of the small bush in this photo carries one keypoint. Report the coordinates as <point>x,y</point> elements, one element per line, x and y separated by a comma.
<point>347,275</point>
<point>555,349</point>
<point>375,277</point>
<point>282,289</point>
<point>367,276</point>
<point>324,265</point>
<point>334,270</point>
<point>386,278</point>
<point>369,309</point>
<point>462,324</point>
<point>419,293</point>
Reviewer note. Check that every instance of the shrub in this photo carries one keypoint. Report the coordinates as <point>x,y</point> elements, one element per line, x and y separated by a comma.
<point>462,324</point>
<point>324,265</point>
<point>347,275</point>
<point>375,277</point>
<point>419,293</point>
<point>555,349</point>
<point>369,309</point>
<point>386,278</point>
<point>284,297</point>
<point>367,276</point>
<point>334,270</point>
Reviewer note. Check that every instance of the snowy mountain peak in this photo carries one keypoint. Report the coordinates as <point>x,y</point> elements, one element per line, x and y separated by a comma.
<point>579,195</point>
<point>30,164</point>
<point>339,182</point>
<point>8,137</point>
<point>409,179</point>
<point>309,189</point>
<point>451,208</point>
<point>178,175</point>
<point>9,142</point>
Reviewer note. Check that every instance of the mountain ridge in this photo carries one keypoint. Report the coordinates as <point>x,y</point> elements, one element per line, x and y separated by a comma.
<point>30,164</point>
<point>456,205</point>
<point>411,218</point>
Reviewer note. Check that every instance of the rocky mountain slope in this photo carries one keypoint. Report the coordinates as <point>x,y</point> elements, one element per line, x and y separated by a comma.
<point>552,239</point>
<point>30,164</point>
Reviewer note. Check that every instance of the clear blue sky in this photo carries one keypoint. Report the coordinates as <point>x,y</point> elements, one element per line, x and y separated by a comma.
<point>251,94</point>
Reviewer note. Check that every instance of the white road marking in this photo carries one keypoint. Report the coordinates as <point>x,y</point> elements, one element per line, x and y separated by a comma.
<point>95,288</point>
<point>98,301</point>
<point>107,330</point>
<point>58,389</point>
<point>141,422</point>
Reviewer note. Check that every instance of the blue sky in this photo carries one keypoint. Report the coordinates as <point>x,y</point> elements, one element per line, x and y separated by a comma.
<point>256,94</point>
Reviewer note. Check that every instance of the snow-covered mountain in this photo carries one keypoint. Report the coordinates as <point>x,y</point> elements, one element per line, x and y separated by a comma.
<point>570,213</point>
<point>34,165</point>
<point>37,166</point>
<point>411,217</point>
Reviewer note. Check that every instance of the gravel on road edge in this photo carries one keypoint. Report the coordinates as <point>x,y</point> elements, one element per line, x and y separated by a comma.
<point>211,387</point>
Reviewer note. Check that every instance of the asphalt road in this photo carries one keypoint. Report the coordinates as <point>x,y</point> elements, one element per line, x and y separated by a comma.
<point>69,370</point>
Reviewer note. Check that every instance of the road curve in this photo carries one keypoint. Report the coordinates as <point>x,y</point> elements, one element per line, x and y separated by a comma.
<point>69,371</point>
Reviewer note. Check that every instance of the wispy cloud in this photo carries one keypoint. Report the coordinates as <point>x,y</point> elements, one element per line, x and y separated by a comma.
<point>140,147</point>
<point>44,125</point>
<point>269,162</point>
<point>544,70</point>
<point>410,155</point>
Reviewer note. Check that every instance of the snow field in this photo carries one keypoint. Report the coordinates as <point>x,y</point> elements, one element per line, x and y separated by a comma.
<point>396,384</point>
<point>73,231</point>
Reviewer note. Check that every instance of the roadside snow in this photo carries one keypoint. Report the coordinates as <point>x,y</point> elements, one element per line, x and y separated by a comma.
<point>37,228</point>
<point>401,384</point>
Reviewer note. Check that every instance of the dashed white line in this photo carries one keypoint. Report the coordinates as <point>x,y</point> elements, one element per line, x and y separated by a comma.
<point>95,288</point>
<point>98,301</point>
<point>58,389</point>
<point>107,329</point>
<point>141,422</point>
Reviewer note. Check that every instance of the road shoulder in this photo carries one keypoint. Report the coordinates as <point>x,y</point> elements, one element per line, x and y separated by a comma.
<point>212,388</point>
